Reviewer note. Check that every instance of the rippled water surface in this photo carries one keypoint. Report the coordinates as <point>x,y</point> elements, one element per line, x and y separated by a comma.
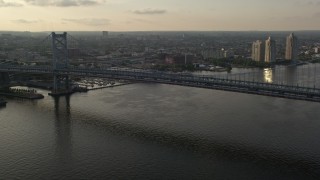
<point>153,131</point>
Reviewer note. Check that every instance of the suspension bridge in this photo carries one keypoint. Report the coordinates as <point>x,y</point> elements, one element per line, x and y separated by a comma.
<point>301,86</point>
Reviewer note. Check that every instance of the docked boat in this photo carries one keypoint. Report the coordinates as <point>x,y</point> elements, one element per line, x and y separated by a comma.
<point>2,103</point>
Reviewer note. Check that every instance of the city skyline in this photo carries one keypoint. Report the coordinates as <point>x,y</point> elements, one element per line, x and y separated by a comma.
<point>143,15</point>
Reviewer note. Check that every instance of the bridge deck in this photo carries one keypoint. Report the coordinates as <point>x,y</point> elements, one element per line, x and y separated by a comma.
<point>183,79</point>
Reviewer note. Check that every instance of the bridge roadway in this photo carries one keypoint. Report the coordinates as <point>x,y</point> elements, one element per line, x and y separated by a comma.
<point>183,79</point>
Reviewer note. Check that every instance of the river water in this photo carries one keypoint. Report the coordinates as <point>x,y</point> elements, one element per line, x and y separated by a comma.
<point>306,75</point>
<point>155,131</point>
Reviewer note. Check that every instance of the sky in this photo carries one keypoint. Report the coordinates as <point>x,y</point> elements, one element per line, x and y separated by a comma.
<point>159,15</point>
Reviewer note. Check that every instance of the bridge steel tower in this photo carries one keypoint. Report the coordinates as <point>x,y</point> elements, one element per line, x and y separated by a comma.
<point>60,62</point>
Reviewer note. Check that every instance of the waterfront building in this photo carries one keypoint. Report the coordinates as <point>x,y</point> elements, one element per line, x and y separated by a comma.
<point>258,51</point>
<point>270,50</point>
<point>291,48</point>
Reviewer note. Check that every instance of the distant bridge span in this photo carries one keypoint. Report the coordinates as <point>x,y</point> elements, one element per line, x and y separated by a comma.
<point>182,79</point>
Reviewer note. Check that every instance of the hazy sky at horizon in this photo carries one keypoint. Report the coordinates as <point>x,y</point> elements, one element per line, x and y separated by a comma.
<point>140,15</point>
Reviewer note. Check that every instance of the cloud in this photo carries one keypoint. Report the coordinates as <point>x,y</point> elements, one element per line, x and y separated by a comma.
<point>9,4</point>
<point>64,3</point>
<point>150,11</point>
<point>24,21</point>
<point>90,22</point>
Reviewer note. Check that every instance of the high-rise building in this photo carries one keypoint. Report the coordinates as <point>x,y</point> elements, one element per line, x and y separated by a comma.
<point>270,52</point>
<point>291,48</point>
<point>258,49</point>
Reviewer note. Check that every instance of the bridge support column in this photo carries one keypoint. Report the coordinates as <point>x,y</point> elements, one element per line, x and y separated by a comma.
<point>61,85</point>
